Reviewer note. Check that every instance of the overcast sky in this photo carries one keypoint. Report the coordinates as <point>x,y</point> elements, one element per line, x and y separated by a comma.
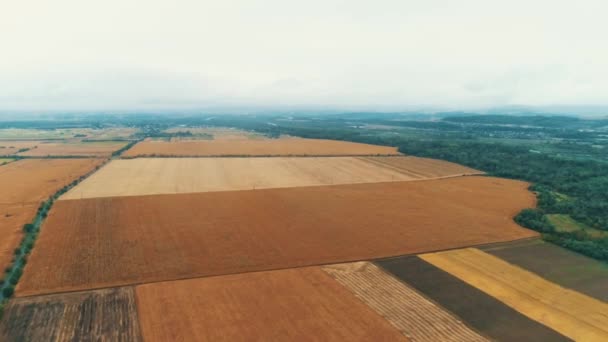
<point>384,54</point>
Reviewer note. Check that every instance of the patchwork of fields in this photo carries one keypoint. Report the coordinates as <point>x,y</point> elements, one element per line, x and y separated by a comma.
<point>349,248</point>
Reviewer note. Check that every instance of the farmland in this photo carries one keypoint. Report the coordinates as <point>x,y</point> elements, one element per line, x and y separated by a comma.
<point>263,147</point>
<point>569,312</point>
<point>164,237</point>
<point>558,265</point>
<point>481,311</point>
<point>297,304</point>
<point>10,147</point>
<point>24,184</point>
<point>411,313</point>
<point>32,180</point>
<point>77,148</point>
<point>59,134</point>
<point>422,168</point>
<point>150,176</point>
<point>230,234</point>
<point>105,315</point>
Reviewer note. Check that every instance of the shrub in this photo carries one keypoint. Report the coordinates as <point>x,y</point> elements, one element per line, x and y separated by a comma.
<point>7,292</point>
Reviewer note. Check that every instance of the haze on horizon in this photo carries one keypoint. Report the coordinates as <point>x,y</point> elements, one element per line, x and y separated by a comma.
<point>386,54</point>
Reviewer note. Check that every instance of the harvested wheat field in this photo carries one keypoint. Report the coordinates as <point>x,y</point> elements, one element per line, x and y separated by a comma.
<point>481,311</point>
<point>104,315</point>
<point>125,240</point>
<point>415,316</point>
<point>263,147</point>
<point>571,313</point>
<point>151,176</point>
<point>289,305</point>
<point>85,149</point>
<point>558,265</point>
<point>422,168</point>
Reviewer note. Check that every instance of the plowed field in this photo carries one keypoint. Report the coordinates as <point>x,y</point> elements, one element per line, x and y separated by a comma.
<point>125,240</point>
<point>415,316</point>
<point>88,149</point>
<point>263,147</point>
<point>571,313</point>
<point>288,305</point>
<point>105,315</point>
<point>150,176</point>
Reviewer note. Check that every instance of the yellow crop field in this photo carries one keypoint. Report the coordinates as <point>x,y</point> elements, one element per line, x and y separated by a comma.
<point>415,316</point>
<point>571,313</point>
<point>148,176</point>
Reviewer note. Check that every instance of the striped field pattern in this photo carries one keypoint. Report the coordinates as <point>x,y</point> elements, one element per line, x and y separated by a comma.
<point>571,313</point>
<point>416,317</point>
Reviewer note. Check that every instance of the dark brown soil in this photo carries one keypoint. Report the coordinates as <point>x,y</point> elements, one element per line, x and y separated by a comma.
<point>105,315</point>
<point>558,265</point>
<point>481,311</point>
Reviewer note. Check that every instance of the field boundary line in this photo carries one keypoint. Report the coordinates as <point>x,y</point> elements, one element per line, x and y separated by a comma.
<point>134,284</point>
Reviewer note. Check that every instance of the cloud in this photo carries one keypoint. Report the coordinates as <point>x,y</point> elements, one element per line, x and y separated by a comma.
<point>131,54</point>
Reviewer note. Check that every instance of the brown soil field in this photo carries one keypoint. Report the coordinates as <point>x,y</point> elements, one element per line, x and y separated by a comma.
<point>12,219</point>
<point>423,168</point>
<point>104,315</point>
<point>150,176</point>
<point>25,184</point>
<point>290,305</point>
<point>87,149</point>
<point>415,316</point>
<point>571,313</point>
<point>125,240</point>
<point>481,311</point>
<point>263,147</point>
<point>558,265</point>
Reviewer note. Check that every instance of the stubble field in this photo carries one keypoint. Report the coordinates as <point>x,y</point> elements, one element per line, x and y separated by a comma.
<point>262,147</point>
<point>415,316</point>
<point>125,240</point>
<point>150,176</point>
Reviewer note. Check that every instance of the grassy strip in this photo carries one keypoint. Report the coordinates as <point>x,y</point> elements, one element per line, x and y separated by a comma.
<point>13,273</point>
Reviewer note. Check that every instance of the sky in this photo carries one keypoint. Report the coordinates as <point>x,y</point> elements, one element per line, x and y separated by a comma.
<point>114,55</point>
